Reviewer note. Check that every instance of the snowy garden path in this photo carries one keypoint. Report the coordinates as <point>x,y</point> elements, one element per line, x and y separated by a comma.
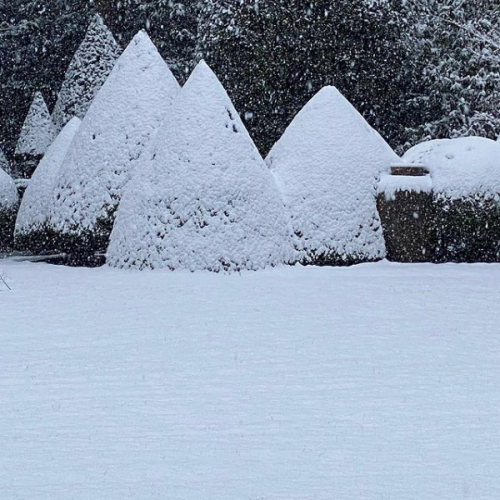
<point>374,382</point>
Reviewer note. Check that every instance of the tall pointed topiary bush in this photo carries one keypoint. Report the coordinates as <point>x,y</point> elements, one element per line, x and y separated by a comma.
<point>36,136</point>
<point>120,122</point>
<point>8,206</point>
<point>33,232</point>
<point>205,199</point>
<point>327,164</point>
<point>4,163</point>
<point>88,70</point>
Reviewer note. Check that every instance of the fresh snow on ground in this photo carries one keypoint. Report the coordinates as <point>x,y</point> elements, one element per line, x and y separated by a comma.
<point>328,163</point>
<point>38,130</point>
<point>460,167</point>
<point>373,382</point>
<point>203,199</point>
<point>35,206</point>
<point>124,115</point>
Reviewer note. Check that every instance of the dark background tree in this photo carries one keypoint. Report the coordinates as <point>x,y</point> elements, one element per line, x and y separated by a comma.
<point>37,41</point>
<point>274,56</point>
<point>394,60</point>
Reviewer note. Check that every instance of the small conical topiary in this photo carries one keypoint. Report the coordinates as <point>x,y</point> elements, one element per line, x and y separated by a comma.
<point>328,163</point>
<point>88,70</point>
<point>205,200</point>
<point>36,136</point>
<point>9,200</point>
<point>32,230</point>
<point>119,124</point>
<point>4,163</point>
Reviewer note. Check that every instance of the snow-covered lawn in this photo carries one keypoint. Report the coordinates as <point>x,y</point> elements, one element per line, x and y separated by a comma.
<point>374,382</point>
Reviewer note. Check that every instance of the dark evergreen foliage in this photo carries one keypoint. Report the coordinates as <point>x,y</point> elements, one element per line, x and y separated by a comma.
<point>37,41</point>
<point>7,224</point>
<point>468,229</point>
<point>274,56</point>
<point>415,70</point>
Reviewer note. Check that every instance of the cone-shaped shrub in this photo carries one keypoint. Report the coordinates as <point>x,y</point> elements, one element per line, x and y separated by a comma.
<point>32,231</point>
<point>205,200</point>
<point>327,164</point>
<point>465,176</point>
<point>4,163</point>
<point>36,136</point>
<point>88,70</point>
<point>114,133</point>
<point>8,206</point>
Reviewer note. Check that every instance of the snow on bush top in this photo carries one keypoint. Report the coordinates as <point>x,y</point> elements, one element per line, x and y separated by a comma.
<point>206,200</point>
<point>119,123</point>
<point>38,130</point>
<point>390,184</point>
<point>8,192</point>
<point>460,167</point>
<point>88,70</point>
<point>327,164</point>
<point>35,206</point>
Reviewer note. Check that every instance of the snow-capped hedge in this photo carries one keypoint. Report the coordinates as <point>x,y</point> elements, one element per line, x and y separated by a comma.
<point>121,120</point>
<point>32,224</point>
<point>8,206</point>
<point>461,167</point>
<point>37,134</point>
<point>466,191</point>
<point>205,200</point>
<point>88,70</point>
<point>327,164</point>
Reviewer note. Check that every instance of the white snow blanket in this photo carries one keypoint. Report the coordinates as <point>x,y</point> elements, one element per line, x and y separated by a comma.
<point>35,206</point>
<point>8,192</point>
<point>327,164</point>
<point>460,167</point>
<point>88,70</point>
<point>376,382</point>
<point>205,199</point>
<point>114,133</point>
<point>38,131</point>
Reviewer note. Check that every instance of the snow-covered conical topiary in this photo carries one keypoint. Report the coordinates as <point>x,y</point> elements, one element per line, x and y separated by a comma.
<point>37,134</point>
<point>121,120</point>
<point>32,230</point>
<point>205,199</point>
<point>327,164</point>
<point>8,205</point>
<point>38,130</point>
<point>88,70</point>
<point>4,163</point>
